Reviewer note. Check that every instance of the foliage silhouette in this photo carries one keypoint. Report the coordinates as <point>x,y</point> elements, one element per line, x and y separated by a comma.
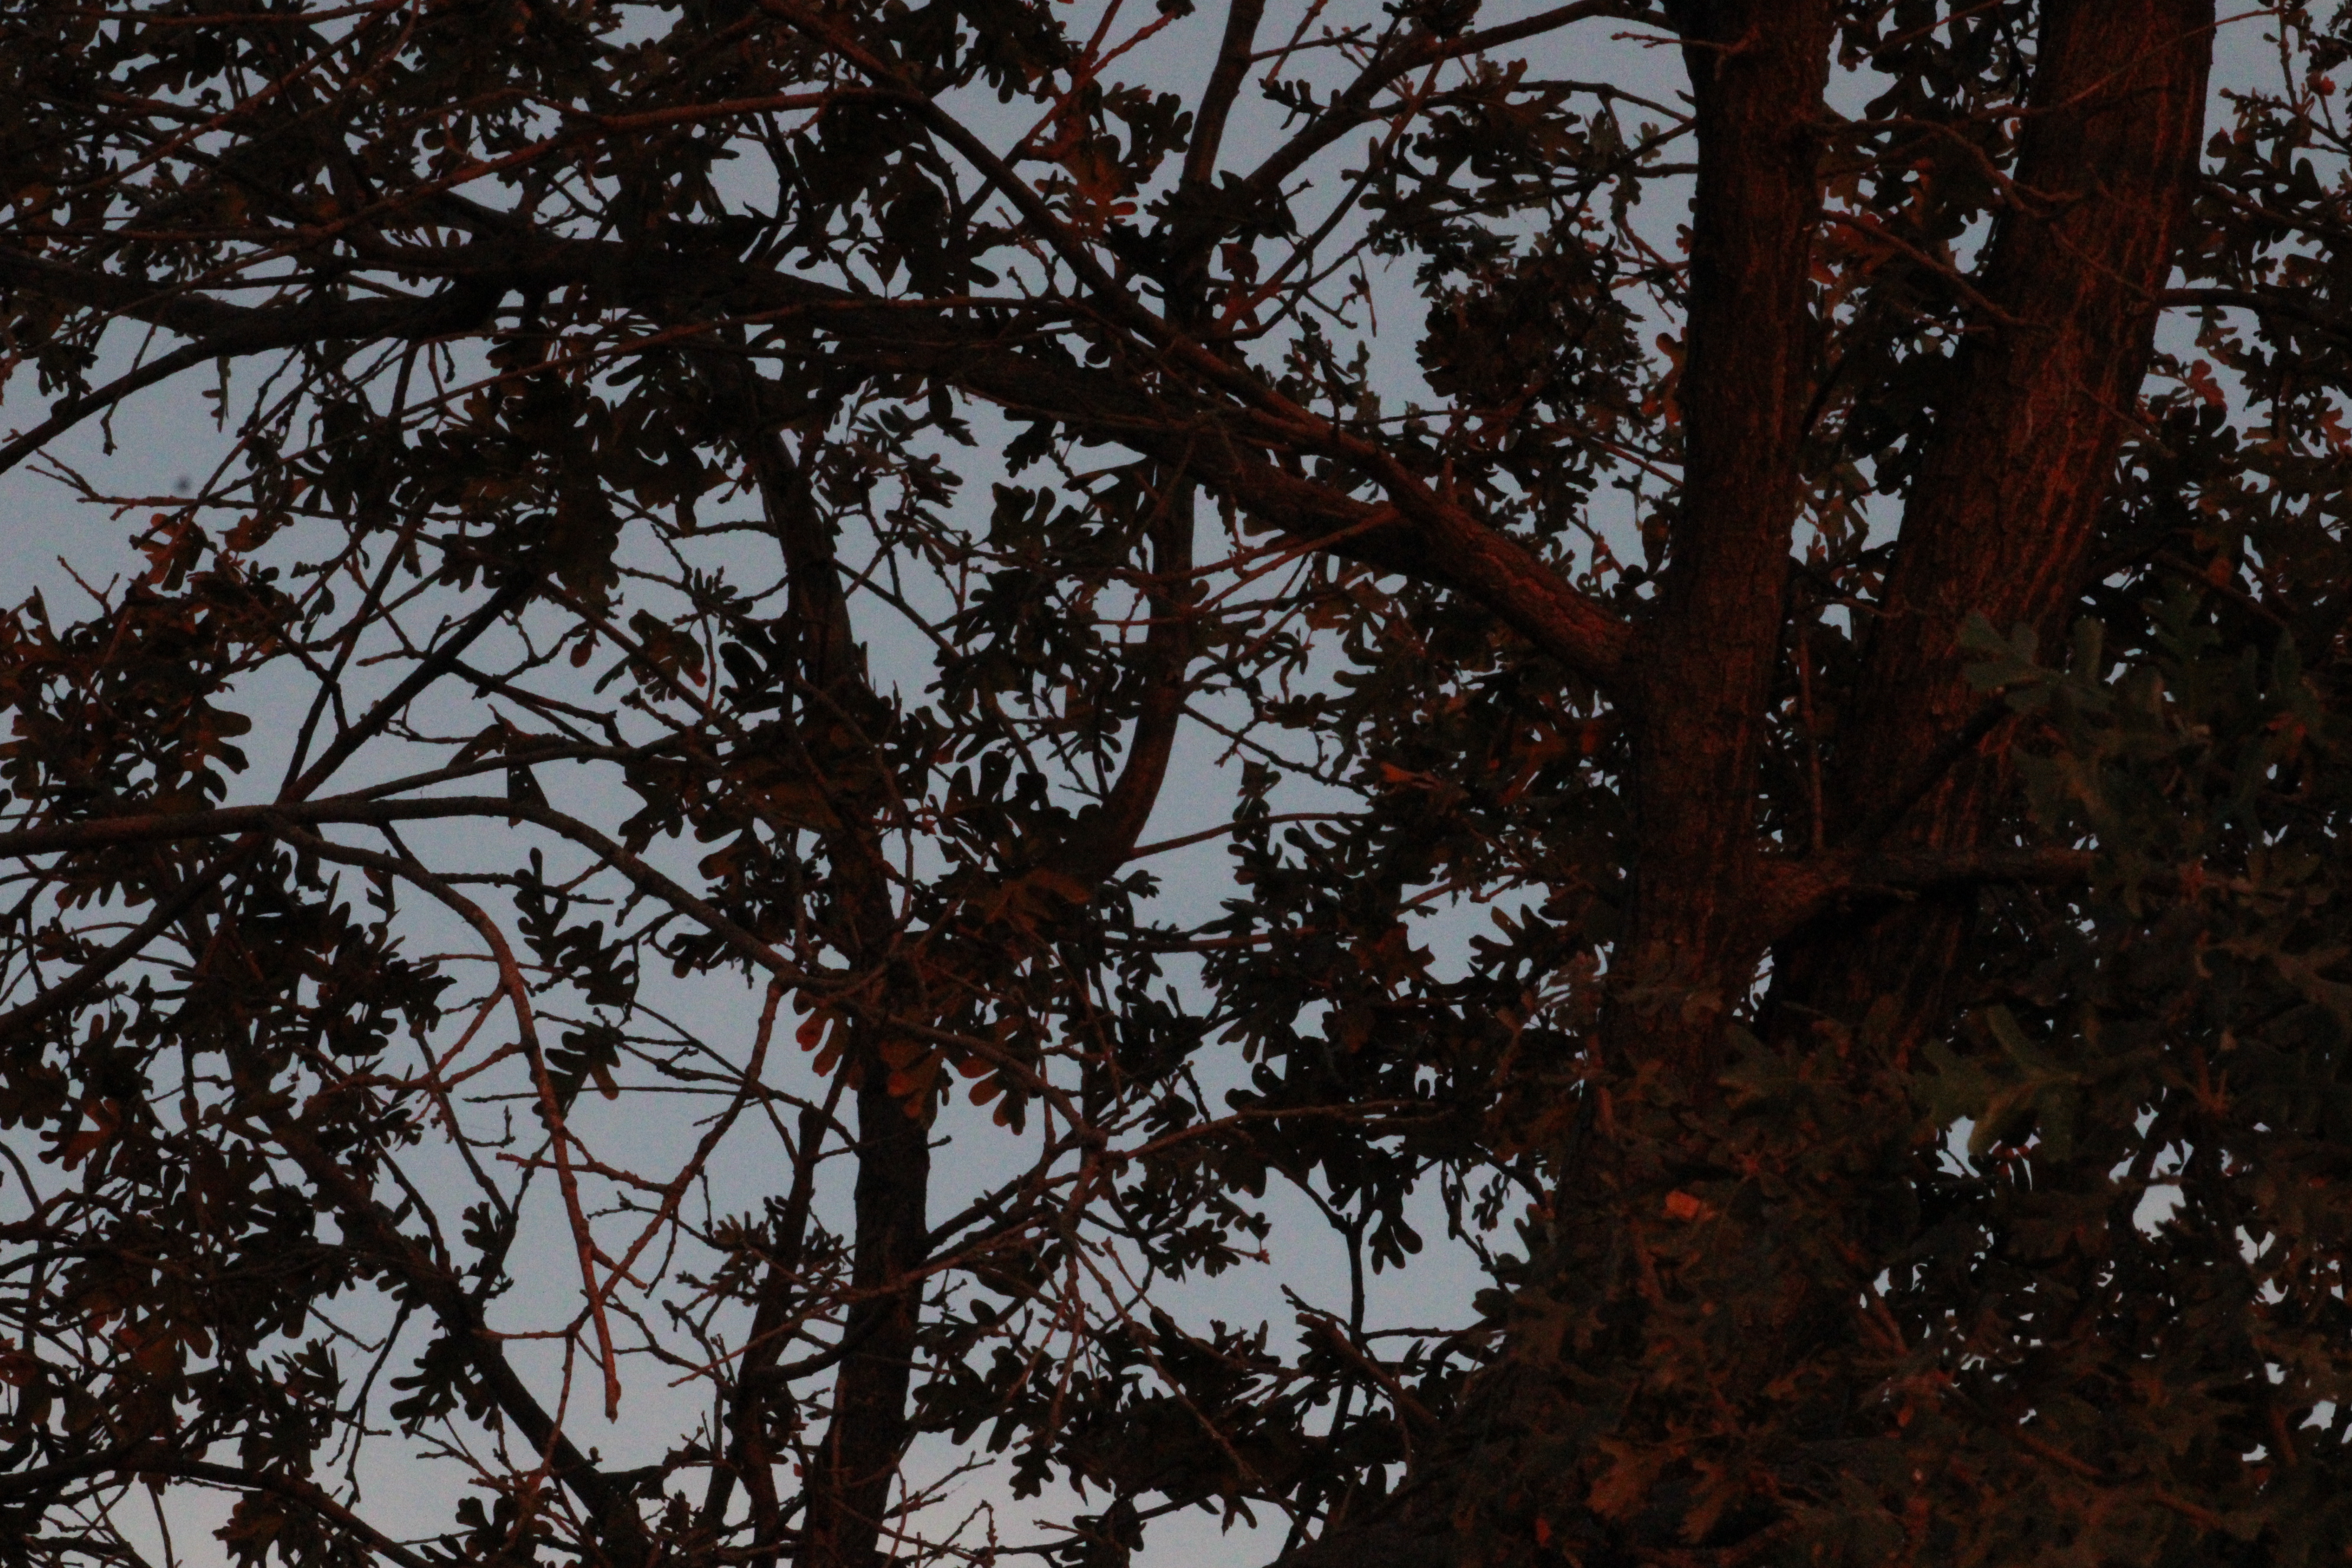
<point>730,518</point>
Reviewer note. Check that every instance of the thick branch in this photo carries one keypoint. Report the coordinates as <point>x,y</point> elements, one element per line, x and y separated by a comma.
<point>2002,516</point>
<point>1419,535</point>
<point>848,1484</point>
<point>1758,73</point>
<point>1105,838</point>
<point>1242,17</point>
<point>1796,892</point>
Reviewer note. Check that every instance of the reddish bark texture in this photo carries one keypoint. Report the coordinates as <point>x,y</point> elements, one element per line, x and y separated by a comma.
<point>1707,658</point>
<point>2001,519</point>
<point>2001,525</point>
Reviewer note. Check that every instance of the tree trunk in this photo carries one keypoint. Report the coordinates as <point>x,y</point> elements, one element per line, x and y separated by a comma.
<point>855,1464</point>
<point>1627,1416</point>
<point>1708,654</point>
<point>2006,503</point>
<point>849,1491</point>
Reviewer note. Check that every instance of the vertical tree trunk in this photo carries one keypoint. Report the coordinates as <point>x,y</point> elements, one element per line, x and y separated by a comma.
<point>2001,519</point>
<point>855,1463</point>
<point>1517,1467</point>
<point>1708,653</point>
<point>1628,1415</point>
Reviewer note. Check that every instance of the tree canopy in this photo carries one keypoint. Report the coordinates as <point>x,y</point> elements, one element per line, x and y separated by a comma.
<point>938,671</point>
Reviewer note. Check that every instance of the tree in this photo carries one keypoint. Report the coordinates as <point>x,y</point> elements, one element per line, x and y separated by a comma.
<point>730,515</point>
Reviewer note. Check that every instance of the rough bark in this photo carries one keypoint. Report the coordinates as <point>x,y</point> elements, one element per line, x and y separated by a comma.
<point>2004,514</point>
<point>849,1491</point>
<point>2001,525</point>
<point>1708,653</point>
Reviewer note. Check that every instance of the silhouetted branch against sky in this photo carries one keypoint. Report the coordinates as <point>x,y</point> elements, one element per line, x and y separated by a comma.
<point>819,782</point>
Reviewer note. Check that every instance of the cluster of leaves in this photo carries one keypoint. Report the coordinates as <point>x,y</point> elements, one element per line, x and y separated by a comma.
<point>724,521</point>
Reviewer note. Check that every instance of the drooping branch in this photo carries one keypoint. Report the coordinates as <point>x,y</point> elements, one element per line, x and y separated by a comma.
<point>1419,532</point>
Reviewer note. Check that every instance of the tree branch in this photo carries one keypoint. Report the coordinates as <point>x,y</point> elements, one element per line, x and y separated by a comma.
<point>1418,534</point>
